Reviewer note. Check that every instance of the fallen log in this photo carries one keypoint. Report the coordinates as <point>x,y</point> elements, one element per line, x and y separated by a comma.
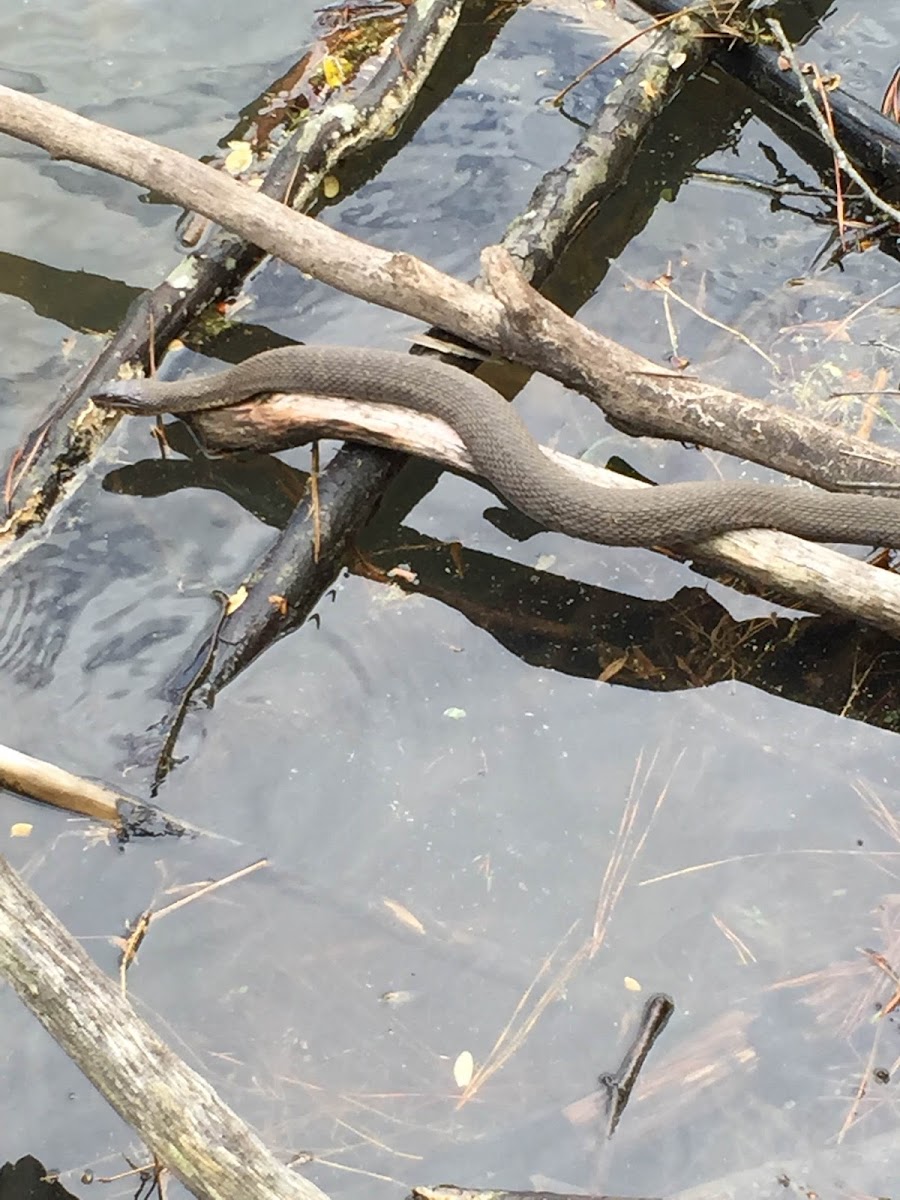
<point>633,391</point>
<point>813,576</point>
<point>174,1110</point>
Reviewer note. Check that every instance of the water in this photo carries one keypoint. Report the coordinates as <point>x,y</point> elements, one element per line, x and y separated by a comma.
<point>437,780</point>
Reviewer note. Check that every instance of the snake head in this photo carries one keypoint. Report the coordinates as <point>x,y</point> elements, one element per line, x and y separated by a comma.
<point>124,394</point>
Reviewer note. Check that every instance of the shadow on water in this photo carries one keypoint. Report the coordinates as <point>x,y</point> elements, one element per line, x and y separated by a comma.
<point>687,641</point>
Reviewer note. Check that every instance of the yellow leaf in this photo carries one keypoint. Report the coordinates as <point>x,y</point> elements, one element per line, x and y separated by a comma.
<point>632,985</point>
<point>21,829</point>
<point>239,157</point>
<point>463,1069</point>
<point>612,668</point>
<point>334,70</point>
<point>331,187</point>
<point>235,600</point>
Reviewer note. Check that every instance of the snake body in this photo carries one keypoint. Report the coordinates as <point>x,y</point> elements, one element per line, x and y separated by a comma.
<point>508,457</point>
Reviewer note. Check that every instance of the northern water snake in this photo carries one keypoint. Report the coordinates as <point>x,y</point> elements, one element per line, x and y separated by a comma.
<point>508,457</point>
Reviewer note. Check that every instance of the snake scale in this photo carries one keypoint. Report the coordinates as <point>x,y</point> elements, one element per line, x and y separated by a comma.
<point>508,457</point>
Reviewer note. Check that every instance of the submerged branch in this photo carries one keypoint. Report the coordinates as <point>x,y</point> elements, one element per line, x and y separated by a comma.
<point>39,780</point>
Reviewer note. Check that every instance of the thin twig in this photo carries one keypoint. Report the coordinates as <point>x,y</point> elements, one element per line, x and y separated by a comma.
<point>557,100</point>
<point>828,137</point>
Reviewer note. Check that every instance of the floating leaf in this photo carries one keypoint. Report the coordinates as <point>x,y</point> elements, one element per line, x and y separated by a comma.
<point>331,187</point>
<point>235,600</point>
<point>632,985</point>
<point>395,999</point>
<point>612,669</point>
<point>21,829</point>
<point>239,157</point>
<point>455,714</point>
<point>463,1069</point>
<point>404,916</point>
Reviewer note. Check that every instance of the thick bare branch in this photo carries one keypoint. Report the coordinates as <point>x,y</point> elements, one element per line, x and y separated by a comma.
<point>814,576</point>
<point>634,392</point>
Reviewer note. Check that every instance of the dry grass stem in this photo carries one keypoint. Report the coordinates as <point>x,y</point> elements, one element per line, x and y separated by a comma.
<point>617,868</point>
<point>520,1024</point>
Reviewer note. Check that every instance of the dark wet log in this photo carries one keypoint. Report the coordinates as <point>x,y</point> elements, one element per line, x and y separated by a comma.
<point>868,137</point>
<point>599,164</point>
<point>175,1112</point>
<point>291,576</point>
<point>617,1086</point>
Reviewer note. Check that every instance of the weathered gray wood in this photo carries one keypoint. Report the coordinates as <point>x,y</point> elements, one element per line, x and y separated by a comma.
<point>175,1112</point>
<point>814,577</point>
<point>632,390</point>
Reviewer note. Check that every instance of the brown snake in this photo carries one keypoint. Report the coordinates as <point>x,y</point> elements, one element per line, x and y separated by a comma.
<point>508,457</point>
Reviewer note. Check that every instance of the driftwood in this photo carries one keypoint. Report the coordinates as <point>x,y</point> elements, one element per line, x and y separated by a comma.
<point>547,337</point>
<point>815,576</point>
<point>176,1113</point>
<point>294,176</point>
<point>633,391</point>
<point>839,457</point>
<point>52,785</point>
